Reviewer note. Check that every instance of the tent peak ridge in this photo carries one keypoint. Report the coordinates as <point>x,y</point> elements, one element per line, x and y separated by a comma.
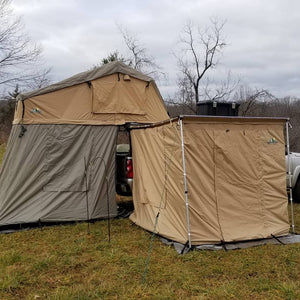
<point>86,76</point>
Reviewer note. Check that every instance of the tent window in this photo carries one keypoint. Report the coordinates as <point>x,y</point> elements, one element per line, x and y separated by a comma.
<point>113,96</point>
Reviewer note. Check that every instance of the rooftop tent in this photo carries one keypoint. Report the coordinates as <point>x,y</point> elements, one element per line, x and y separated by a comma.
<point>60,158</point>
<point>207,180</point>
<point>110,95</point>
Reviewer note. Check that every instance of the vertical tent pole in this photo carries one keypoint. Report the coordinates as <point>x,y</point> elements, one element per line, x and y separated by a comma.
<point>287,124</point>
<point>185,186</point>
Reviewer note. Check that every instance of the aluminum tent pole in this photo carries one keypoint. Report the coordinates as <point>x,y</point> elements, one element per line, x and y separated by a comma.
<point>287,125</point>
<point>185,185</point>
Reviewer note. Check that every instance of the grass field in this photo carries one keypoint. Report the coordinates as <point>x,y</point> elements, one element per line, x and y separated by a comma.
<point>64,262</point>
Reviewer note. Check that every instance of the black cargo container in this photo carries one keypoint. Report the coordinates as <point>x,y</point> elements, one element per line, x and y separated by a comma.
<point>213,108</point>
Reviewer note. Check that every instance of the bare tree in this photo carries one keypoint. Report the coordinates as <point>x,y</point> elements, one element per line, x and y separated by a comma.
<point>183,101</point>
<point>139,59</point>
<point>19,57</point>
<point>41,79</point>
<point>20,65</point>
<point>221,91</point>
<point>252,100</point>
<point>199,54</point>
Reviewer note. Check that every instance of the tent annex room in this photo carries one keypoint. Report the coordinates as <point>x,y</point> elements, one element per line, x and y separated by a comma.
<point>60,159</point>
<point>208,180</point>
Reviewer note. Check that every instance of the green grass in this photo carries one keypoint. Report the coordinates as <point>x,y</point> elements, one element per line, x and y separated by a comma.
<point>2,150</point>
<point>64,262</point>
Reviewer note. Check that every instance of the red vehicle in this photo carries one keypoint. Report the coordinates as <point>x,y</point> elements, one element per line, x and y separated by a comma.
<point>124,170</point>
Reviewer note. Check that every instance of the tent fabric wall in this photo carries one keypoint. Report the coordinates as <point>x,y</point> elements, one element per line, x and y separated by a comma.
<point>156,159</point>
<point>235,170</point>
<point>57,173</point>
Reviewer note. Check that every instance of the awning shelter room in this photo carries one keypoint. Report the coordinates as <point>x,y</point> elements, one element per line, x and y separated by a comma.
<point>208,180</point>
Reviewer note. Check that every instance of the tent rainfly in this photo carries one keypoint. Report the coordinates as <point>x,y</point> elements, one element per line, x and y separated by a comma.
<point>208,180</point>
<point>60,159</point>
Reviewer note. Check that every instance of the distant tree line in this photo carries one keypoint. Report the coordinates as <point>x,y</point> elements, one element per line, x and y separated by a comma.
<point>287,107</point>
<point>7,110</point>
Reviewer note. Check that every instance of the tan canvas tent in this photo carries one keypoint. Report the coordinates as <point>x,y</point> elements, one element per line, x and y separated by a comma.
<point>113,94</point>
<point>207,180</point>
<point>60,159</point>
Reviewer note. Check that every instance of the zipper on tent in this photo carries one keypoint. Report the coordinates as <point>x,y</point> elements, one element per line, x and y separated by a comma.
<point>185,185</point>
<point>23,129</point>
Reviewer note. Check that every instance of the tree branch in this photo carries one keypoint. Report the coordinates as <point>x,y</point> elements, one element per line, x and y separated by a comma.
<point>204,44</point>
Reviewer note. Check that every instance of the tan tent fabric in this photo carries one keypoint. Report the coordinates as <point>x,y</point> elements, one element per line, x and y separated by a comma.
<point>157,158</point>
<point>235,170</point>
<point>119,96</point>
<point>103,96</point>
<point>105,70</point>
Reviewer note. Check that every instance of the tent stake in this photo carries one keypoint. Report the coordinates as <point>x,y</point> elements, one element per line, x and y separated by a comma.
<point>185,186</point>
<point>287,125</point>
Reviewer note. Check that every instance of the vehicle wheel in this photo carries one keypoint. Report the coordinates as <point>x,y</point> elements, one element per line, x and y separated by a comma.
<point>124,212</point>
<point>296,191</point>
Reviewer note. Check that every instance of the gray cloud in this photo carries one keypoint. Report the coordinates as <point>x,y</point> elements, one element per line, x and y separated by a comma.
<point>262,36</point>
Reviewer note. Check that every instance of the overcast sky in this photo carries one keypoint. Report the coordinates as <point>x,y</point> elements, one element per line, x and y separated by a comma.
<point>262,35</point>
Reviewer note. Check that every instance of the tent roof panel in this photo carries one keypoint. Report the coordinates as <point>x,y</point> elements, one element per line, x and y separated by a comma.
<point>105,70</point>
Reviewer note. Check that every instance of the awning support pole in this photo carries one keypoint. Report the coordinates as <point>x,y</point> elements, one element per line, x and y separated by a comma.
<point>185,186</point>
<point>287,125</point>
